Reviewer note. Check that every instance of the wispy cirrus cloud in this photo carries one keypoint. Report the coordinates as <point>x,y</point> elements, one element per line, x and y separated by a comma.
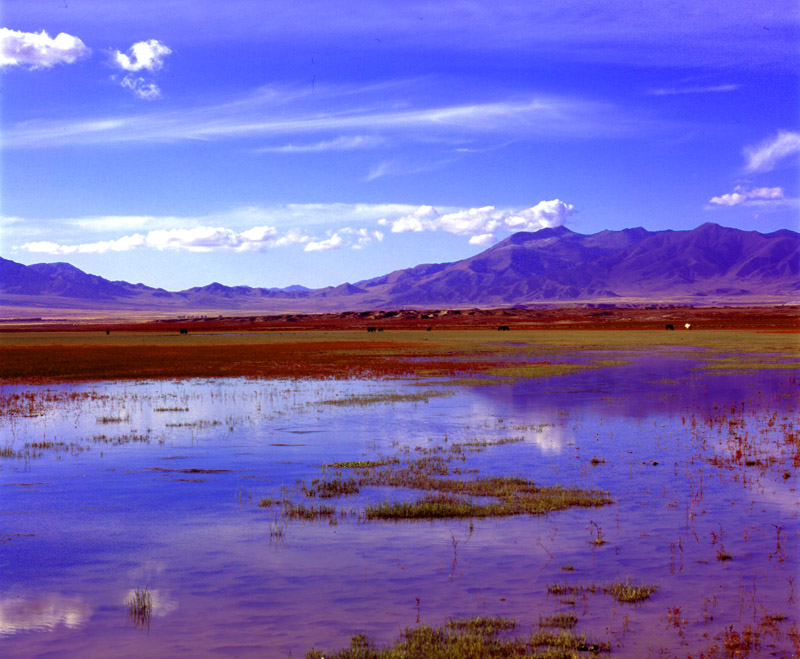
<point>772,152</point>
<point>343,143</point>
<point>707,89</point>
<point>37,50</point>
<point>349,112</point>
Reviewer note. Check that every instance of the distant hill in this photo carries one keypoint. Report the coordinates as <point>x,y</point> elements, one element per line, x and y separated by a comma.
<point>708,265</point>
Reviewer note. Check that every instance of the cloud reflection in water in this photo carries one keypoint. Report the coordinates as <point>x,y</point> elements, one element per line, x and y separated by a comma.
<point>42,613</point>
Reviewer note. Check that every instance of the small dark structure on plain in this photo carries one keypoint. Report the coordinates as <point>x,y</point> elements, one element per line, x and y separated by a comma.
<point>183,330</point>
<point>372,329</point>
<point>670,327</point>
<point>503,328</point>
<point>108,332</point>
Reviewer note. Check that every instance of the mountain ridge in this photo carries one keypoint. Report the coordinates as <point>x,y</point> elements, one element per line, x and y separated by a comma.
<point>706,265</point>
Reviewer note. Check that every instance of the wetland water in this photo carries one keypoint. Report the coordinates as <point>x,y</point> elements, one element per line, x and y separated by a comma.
<point>107,488</point>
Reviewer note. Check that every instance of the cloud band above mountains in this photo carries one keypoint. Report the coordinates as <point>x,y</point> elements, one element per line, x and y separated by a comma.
<point>199,234</point>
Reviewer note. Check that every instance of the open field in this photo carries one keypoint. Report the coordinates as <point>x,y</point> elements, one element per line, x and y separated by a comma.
<point>458,345</point>
<point>621,491</point>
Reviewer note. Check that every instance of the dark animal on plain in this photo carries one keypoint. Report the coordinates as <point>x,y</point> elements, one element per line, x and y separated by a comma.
<point>430,329</point>
<point>184,331</point>
<point>108,332</point>
<point>670,327</point>
<point>503,328</point>
<point>372,329</point>
<point>380,329</point>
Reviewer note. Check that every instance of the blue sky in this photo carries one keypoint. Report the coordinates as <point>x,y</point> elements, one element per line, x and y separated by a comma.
<point>180,142</point>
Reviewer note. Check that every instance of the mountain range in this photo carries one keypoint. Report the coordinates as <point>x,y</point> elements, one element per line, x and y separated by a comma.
<point>707,265</point>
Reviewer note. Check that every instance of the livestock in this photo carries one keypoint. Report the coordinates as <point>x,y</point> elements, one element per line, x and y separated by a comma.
<point>670,327</point>
<point>372,329</point>
<point>430,329</point>
<point>503,328</point>
<point>183,330</point>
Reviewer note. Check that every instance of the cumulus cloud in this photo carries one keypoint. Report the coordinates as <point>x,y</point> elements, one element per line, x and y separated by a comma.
<point>771,153</point>
<point>214,239</point>
<point>346,237</point>
<point>141,88</point>
<point>195,239</point>
<point>742,195</point>
<point>481,223</point>
<point>143,55</point>
<point>37,50</point>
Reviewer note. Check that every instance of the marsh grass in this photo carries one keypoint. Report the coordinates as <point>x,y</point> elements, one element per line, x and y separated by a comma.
<point>364,464</point>
<point>472,638</point>
<point>559,620</point>
<point>302,512</point>
<point>140,607</point>
<point>623,592</point>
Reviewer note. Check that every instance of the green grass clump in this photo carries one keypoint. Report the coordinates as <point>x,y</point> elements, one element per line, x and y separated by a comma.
<point>332,487</point>
<point>513,496</point>
<point>300,511</point>
<point>560,620</point>
<point>567,640</point>
<point>629,593</point>
<point>363,464</point>
<point>626,593</point>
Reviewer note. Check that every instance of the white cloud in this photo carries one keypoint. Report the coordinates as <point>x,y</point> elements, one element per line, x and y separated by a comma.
<point>36,50</point>
<point>771,153</point>
<point>481,223</point>
<point>345,237</point>
<point>481,239</point>
<point>147,91</point>
<point>143,55</point>
<point>742,195</point>
<point>709,89</point>
<point>334,242</point>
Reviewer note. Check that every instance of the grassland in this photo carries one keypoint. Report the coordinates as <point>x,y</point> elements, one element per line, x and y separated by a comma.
<point>461,355</point>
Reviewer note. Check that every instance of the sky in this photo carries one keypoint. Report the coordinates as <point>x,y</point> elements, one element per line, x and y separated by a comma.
<point>255,142</point>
